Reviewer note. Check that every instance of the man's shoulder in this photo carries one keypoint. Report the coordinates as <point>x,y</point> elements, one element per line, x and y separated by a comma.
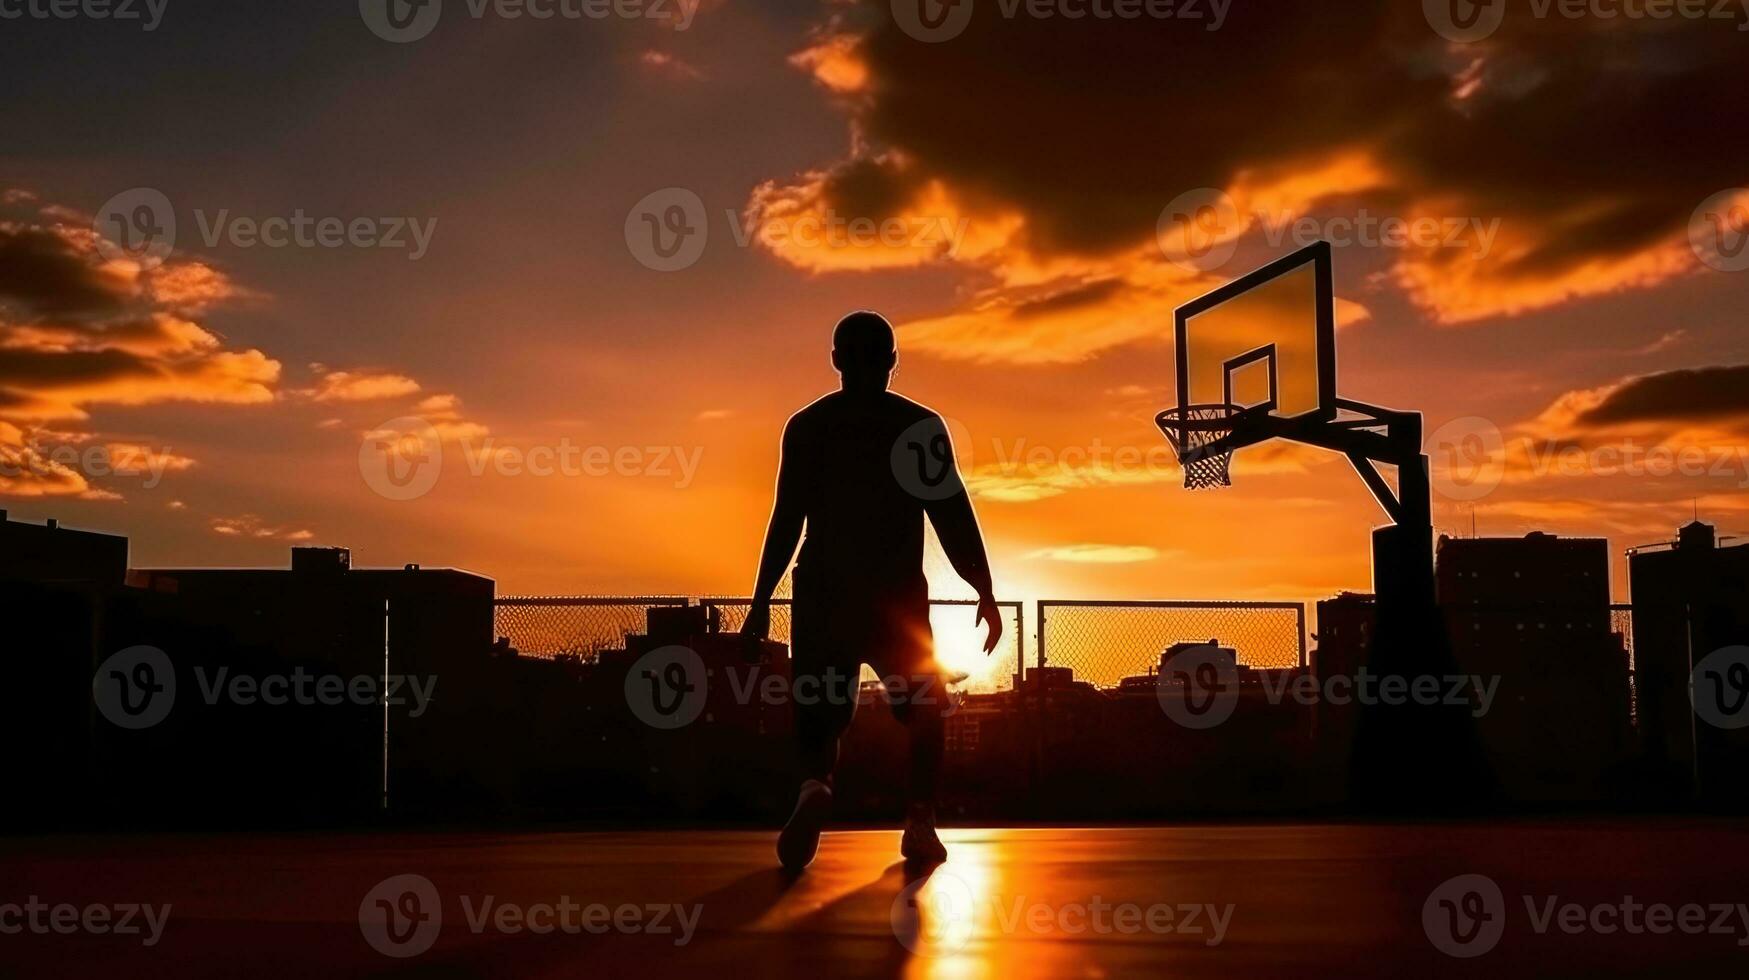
<point>810,414</point>
<point>823,411</point>
<point>909,410</point>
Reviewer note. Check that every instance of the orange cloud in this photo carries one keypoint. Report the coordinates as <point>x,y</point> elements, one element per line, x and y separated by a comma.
<point>834,62</point>
<point>1097,554</point>
<point>252,526</point>
<point>358,386</point>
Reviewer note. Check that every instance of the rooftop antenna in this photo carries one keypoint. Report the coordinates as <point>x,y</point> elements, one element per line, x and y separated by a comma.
<point>1472,522</point>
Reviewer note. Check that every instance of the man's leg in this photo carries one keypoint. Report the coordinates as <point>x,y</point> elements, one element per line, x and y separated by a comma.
<point>823,713</point>
<point>920,702</point>
<point>823,697</point>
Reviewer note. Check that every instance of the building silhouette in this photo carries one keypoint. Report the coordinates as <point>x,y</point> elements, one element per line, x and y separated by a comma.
<point>273,680</point>
<point>1534,613</point>
<point>565,736</point>
<point>1344,635</point>
<point>1691,598</point>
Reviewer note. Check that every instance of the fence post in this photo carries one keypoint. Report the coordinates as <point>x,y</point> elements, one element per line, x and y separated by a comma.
<point>1039,607</point>
<point>1304,640</point>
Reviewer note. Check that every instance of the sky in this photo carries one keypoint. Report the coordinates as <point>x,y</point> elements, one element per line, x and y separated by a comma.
<point>591,264</point>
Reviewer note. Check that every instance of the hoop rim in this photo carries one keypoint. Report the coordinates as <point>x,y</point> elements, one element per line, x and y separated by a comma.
<point>1180,417</point>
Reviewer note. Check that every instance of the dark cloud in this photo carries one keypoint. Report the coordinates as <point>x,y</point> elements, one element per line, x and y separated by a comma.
<point>42,272</point>
<point>870,188</point>
<point>47,369</point>
<point>1690,394</point>
<point>1601,136</point>
<point>1073,299</point>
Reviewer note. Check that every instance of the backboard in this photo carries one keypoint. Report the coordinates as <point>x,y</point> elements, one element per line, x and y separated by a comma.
<point>1264,343</point>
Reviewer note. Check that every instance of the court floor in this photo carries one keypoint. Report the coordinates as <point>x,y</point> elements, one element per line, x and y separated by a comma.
<point>1552,898</point>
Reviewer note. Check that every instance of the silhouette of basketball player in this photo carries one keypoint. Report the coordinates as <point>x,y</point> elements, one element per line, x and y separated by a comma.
<point>861,468</point>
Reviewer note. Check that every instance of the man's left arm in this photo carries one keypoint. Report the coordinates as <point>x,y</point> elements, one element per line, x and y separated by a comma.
<point>956,525</point>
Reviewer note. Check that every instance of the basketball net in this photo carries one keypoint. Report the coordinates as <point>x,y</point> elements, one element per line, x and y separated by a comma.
<point>1192,428</point>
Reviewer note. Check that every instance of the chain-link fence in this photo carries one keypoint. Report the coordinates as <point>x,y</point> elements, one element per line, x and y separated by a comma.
<point>959,641</point>
<point>1104,642</point>
<point>546,626</point>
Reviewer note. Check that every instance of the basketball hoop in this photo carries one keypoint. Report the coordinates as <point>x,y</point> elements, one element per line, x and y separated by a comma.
<point>1192,427</point>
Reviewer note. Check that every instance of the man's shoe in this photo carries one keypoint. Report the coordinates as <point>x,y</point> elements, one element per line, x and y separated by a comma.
<point>920,845</point>
<point>800,838</point>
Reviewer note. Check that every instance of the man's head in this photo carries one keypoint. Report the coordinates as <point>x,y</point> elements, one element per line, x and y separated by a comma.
<point>863,351</point>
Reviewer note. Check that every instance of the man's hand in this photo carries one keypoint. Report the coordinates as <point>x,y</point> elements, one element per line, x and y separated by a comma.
<point>758,622</point>
<point>991,616</point>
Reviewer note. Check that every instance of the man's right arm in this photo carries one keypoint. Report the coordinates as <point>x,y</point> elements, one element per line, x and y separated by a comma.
<point>788,512</point>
